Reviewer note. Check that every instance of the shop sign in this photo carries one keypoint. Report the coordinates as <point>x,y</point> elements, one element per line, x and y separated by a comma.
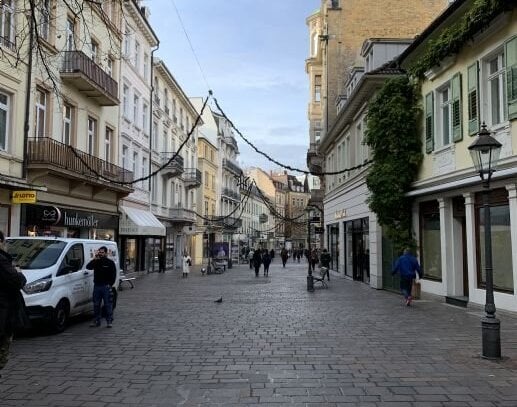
<point>20,197</point>
<point>340,214</point>
<point>55,216</point>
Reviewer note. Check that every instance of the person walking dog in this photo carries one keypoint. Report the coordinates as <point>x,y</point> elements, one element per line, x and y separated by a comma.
<point>407,266</point>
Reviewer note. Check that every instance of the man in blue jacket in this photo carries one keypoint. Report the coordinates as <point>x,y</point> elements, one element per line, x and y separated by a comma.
<point>407,265</point>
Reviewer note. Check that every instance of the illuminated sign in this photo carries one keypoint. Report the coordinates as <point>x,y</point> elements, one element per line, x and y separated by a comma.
<point>21,197</point>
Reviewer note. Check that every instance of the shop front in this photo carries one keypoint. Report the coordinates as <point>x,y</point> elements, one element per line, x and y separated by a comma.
<point>142,237</point>
<point>333,243</point>
<point>357,249</point>
<point>57,221</point>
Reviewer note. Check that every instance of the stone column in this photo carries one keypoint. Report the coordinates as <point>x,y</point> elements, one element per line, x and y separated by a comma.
<point>470,234</point>
<point>445,205</point>
<point>512,200</point>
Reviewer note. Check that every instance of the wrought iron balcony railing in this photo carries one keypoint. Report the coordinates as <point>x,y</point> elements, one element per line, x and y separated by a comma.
<point>174,167</point>
<point>232,166</point>
<point>89,78</point>
<point>45,152</point>
<point>192,177</point>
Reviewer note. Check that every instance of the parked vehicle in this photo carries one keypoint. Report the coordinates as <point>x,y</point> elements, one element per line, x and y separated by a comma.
<point>58,284</point>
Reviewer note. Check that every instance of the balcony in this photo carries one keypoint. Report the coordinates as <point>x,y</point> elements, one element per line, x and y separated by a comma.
<point>232,166</point>
<point>45,153</point>
<point>192,177</point>
<point>228,223</point>
<point>172,168</point>
<point>228,193</point>
<point>180,215</point>
<point>314,159</point>
<point>84,74</point>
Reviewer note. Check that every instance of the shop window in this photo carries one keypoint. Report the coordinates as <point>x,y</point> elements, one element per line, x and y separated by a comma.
<point>430,240</point>
<point>501,241</point>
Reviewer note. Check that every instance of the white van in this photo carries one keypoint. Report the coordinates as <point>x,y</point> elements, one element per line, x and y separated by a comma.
<point>58,284</point>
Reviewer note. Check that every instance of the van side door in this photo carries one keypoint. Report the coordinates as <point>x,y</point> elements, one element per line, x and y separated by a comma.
<point>72,272</point>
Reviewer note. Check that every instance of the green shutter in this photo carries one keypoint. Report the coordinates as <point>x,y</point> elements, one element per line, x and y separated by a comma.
<point>511,76</point>
<point>429,122</point>
<point>473,99</point>
<point>457,134</point>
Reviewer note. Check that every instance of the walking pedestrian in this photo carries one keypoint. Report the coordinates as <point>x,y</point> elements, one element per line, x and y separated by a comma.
<point>325,259</point>
<point>187,262</point>
<point>284,255</point>
<point>12,306</point>
<point>161,261</point>
<point>266,259</point>
<point>314,259</point>
<point>407,266</point>
<point>257,260</point>
<point>104,276</point>
<point>250,257</point>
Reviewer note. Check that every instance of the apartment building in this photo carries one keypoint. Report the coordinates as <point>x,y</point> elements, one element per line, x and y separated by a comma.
<point>257,228</point>
<point>73,120</point>
<point>341,63</point>
<point>174,150</point>
<point>208,200</point>
<point>475,85</point>
<point>141,233</point>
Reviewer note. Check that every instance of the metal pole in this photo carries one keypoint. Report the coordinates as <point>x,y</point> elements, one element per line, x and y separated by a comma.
<point>310,281</point>
<point>490,325</point>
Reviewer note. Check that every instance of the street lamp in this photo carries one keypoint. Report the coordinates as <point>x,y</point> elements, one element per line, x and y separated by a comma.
<point>310,280</point>
<point>485,152</point>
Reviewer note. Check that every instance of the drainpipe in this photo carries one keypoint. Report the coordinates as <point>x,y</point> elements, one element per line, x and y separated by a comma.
<point>151,119</point>
<point>27,100</point>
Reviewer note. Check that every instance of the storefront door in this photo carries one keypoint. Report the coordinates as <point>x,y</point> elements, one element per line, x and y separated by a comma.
<point>333,238</point>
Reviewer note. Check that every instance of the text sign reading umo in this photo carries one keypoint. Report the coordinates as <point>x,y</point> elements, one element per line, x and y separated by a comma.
<point>21,197</point>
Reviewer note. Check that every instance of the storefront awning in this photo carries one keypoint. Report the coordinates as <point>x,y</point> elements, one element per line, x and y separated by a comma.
<point>139,222</point>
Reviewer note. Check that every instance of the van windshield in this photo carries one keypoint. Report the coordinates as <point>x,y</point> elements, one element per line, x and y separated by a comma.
<point>31,254</point>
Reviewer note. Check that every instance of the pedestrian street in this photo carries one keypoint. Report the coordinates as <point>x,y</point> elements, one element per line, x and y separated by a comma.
<point>269,342</point>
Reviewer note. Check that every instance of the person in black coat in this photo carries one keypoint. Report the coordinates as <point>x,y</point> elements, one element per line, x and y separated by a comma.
<point>266,259</point>
<point>257,261</point>
<point>12,305</point>
<point>104,276</point>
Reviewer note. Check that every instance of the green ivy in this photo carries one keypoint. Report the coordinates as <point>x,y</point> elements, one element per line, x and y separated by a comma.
<point>453,38</point>
<point>393,137</point>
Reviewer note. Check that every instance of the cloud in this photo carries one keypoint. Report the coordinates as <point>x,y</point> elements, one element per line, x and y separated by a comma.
<point>296,156</point>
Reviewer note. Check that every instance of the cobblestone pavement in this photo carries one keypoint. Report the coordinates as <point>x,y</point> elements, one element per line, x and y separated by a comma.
<point>269,342</point>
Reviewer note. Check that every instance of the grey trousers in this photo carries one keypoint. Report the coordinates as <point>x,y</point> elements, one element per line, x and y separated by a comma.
<point>5,343</point>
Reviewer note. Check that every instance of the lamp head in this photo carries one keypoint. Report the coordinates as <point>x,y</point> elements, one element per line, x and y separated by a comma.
<point>485,151</point>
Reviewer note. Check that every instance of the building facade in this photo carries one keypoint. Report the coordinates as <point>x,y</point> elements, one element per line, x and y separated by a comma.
<point>140,231</point>
<point>174,151</point>
<point>473,86</point>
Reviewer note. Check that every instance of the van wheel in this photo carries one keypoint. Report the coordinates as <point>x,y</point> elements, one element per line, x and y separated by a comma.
<point>60,317</point>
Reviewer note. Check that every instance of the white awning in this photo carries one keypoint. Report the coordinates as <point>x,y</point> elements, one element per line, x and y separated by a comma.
<point>139,222</point>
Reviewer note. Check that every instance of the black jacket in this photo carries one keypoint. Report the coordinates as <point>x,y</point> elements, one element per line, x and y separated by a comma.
<point>12,306</point>
<point>104,271</point>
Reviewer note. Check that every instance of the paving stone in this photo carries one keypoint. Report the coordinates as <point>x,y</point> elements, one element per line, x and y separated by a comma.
<point>269,344</point>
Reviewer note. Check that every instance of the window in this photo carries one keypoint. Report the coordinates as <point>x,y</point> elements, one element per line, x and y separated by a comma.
<point>92,135</point>
<point>444,115</point>
<point>496,89</point>
<point>70,35</point>
<point>181,119</point>
<point>145,117</point>
<point>154,136</point>
<point>206,208</point>
<point>68,112</point>
<point>135,163</point>
<point>144,170</point>
<point>7,23</point>
<point>45,11</point>
<point>174,112</point>
<point>125,100</point>
<point>40,113</point>
<point>108,140</point>
<point>317,88</point>
<point>501,240</point>
<point>125,152</point>
<point>212,155</point>
<point>473,98</point>
<point>109,66</point>
<point>4,115</point>
<point>164,192</point>
<point>165,145</point>
<point>430,240</point>
<point>95,50</point>
<point>73,261</point>
<point>154,189</point>
<point>136,58</point>
<point>206,179</point>
<point>166,101</point>
<point>127,42</point>
<point>146,66</point>
<point>136,104</point>
<point>213,182</point>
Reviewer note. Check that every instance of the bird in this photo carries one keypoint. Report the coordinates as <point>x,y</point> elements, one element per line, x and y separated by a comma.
<point>220,300</point>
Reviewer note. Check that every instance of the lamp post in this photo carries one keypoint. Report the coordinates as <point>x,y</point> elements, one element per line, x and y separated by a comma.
<point>310,280</point>
<point>485,152</point>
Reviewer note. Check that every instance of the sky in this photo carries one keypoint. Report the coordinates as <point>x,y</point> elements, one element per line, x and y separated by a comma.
<point>252,54</point>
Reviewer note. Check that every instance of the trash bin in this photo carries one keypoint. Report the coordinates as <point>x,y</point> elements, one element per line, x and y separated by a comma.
<point>230,264</point>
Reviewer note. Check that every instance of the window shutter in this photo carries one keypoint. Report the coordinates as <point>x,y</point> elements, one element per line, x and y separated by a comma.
<point>429,122</point>
<point>473,99</point>
<point>511,76</point>
<point>457,134</point>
